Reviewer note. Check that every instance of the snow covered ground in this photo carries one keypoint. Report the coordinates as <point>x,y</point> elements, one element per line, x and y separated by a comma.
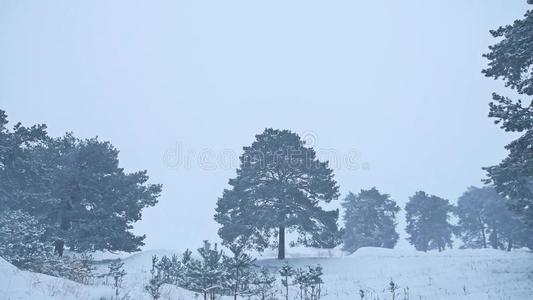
<point>453,274</point>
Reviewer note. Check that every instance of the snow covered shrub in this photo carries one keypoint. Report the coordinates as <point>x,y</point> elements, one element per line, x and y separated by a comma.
<point>22,242</point>
<point>156,281</point>
<point>117,273</point>
<point>240,272</point>
<point>286,272</point>
<point>263,285</point>
<point>205,275</point>
<point>309,282</point>
<point>393,288</point>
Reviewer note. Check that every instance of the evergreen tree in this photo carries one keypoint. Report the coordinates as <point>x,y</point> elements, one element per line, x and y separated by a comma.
<point>309,282</point>
<point>20,176</point>
<point>263,284</point>
<point>156,280</point>
<point>240,271</point>
<point>286,272</point>
<point>117,273</point>
<point>369,220</point>
<point>206,275</point>
<point>427,222</point>
<point>279,186</point>
<point>511,59</point>
<point>486,220</point>
<point>94,203</point>
<point>22,241</point>
<point>73,187</point>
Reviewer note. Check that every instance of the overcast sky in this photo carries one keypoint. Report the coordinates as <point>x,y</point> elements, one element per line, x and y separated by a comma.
<point>390,91</point>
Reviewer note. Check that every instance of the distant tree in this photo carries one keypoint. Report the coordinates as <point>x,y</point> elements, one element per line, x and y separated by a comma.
<point>427,222</point>
<point>369,220</point>
<point>511,59</point>
<point>279,186</point>
<point>485,219</point>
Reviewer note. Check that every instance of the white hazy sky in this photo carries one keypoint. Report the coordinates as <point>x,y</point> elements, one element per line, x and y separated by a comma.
<point>396,82</point>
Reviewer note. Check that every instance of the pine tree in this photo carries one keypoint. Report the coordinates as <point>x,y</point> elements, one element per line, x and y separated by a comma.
<point>156,280</point>
<point>263,284</point>
<point>279,186</point>
<point>22,241</point>
<point>240,271</point>
<point>286,272</point>
<point>309,282</point>
<point>117,273</point>
<point>74,187</point>
<point>427,222</point>
<point>97,201</point>
<point>315,282</point>
<point>511,59</point>
<point>486,220</point>
<point>369,220</point>
<point>206,275</point>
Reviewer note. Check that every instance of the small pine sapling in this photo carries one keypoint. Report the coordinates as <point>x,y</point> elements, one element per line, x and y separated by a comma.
<point>117,272</point>
<point>156,281</point>
<point>264,284</point>
<point>286,272</point>
<point>393,288</point>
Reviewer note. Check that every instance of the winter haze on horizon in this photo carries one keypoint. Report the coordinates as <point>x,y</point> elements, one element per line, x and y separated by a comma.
<point>398,84</point>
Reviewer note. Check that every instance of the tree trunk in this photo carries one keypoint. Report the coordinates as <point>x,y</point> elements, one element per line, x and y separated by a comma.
<point>59,246</point>
<point>281,244</point>
<point>510,245</point>
<point>484,238</point>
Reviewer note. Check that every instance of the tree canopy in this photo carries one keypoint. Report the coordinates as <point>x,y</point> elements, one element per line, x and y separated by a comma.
<point>280,185</point>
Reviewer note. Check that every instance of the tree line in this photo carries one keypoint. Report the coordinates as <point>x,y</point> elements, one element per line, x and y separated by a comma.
<point>281,185</point>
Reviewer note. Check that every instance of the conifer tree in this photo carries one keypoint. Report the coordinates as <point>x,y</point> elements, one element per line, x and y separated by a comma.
<point>427,222</point>
<point>117,273</point>
<point>511,59</point>
<point>280,185</point>
<point>73,187</point>
<point>263,284</point>
<point>369,220</point>
<point>486,220</point>
<point>22,241</point>
<point>156,280</point>
<point>286,272</point>
<point>240,271</point>
<point>206,275</point>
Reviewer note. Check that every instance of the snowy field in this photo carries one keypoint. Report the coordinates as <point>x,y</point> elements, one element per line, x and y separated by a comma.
<point>453,274</point>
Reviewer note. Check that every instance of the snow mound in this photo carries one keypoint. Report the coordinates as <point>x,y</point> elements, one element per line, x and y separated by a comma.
<point>22,285</point>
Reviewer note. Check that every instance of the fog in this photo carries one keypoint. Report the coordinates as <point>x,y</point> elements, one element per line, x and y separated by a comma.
<point>389,91</point>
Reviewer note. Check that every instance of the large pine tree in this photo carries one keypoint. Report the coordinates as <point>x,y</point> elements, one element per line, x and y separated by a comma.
<point>511,59</point>
<point>95,201</point>
<point>280,185</point>
<point>427,222</point>
<point>369,219</point>
<point>74,187</point>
